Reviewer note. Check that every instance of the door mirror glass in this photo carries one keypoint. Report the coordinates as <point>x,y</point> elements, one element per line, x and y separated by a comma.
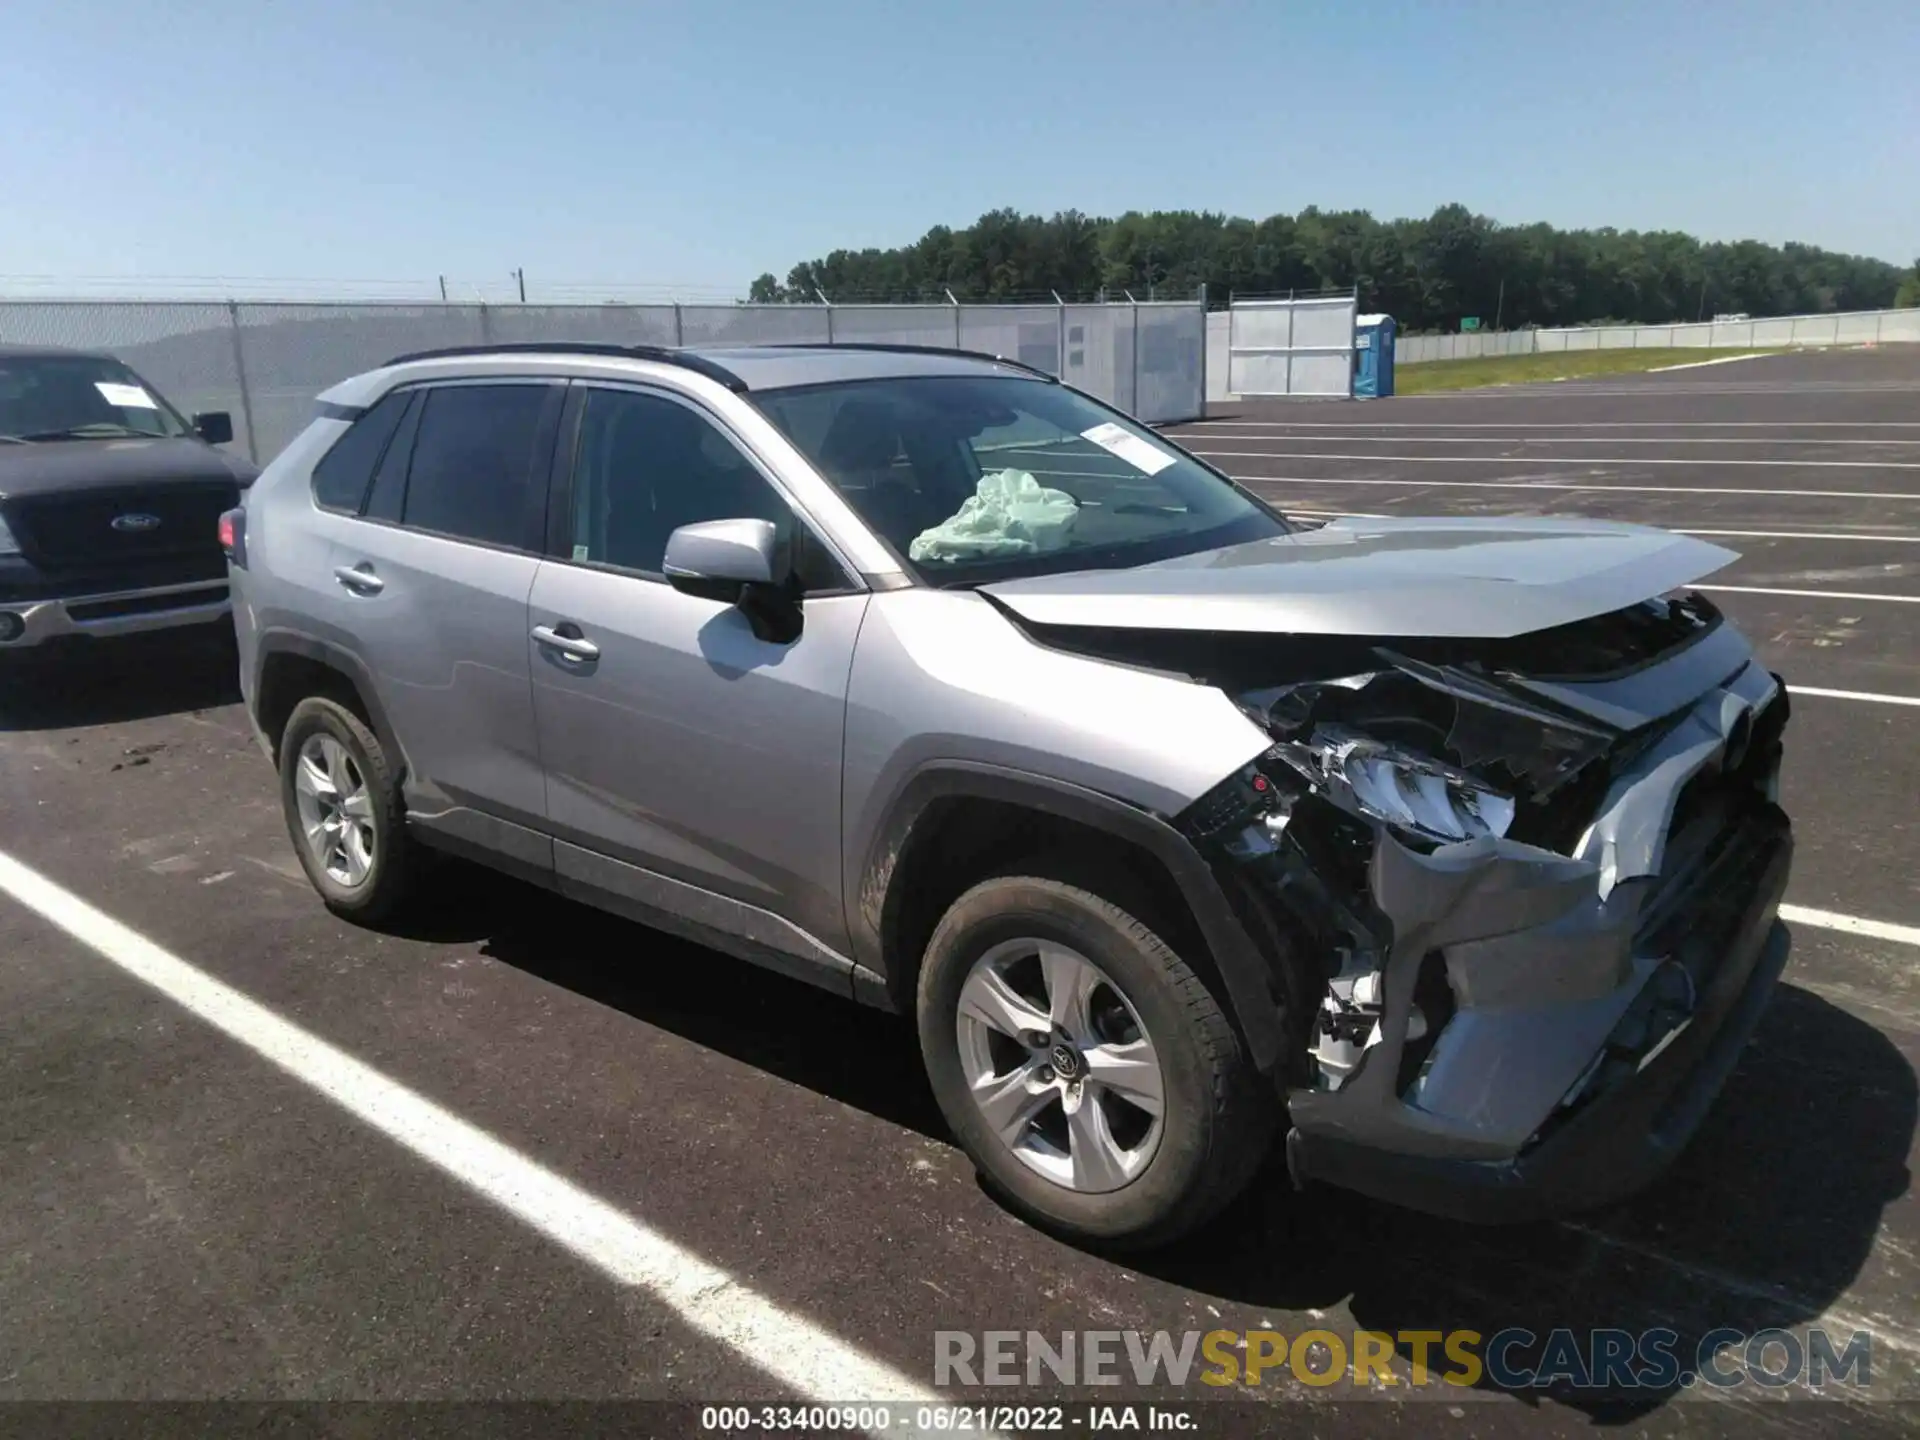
<point>214,426</point>
<point>719,559</point>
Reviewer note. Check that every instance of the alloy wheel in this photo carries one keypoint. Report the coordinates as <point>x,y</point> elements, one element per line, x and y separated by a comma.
<point>336,812</point>
<point>1061,1068</point>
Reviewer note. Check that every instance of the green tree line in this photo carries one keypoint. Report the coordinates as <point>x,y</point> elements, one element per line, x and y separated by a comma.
<point>1429,274</point>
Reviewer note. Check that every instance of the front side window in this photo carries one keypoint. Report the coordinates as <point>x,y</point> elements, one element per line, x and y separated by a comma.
<point>974,478</point>
<point>473,462</point>
<point>645,465</point>
<point>79,397</point>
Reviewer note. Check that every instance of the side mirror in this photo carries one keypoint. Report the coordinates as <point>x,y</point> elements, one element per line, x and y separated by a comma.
<point>719,559</point>
<point>740,562</point>
<point>214,426</point>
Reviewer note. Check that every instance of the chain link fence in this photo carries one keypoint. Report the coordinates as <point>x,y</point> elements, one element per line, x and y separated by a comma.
<point>1854,327</point>
<point>265,361</point>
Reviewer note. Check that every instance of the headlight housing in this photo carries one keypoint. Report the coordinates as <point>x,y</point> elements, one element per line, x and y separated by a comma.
<point>8,545</point>
<point>1407,791</point>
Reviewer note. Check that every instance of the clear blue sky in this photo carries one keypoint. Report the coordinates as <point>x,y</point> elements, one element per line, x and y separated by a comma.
<point>697,144</point>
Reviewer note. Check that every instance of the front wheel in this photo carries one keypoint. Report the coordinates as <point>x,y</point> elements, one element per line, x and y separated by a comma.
<point>1084,1066</point>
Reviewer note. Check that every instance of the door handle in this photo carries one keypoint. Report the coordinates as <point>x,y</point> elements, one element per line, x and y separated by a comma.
<point>569,647</point>
<point>361,582</point>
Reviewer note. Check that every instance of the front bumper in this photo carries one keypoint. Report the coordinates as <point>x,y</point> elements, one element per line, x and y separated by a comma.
<point>1552,1027</point>
<point>1613,1143</point>
<point>25,624</point>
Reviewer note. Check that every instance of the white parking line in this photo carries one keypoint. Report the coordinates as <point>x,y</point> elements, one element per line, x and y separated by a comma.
<point>1557,459</point>
<point>1814,594</point>
<point>1850,924</point>
<point>1866,695</point>
<point>1797,535</point>
<point>1676,529</point>
<point>1562,485</point>
<point>818,1366</point>
<point>1202,427</point>
<point>1366,439</point>
<point>1702,364</point>
<point>1575,386</point>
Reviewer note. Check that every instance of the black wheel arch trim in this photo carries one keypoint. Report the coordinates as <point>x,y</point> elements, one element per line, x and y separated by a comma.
<point>335,657</point>
<point>877,902</point>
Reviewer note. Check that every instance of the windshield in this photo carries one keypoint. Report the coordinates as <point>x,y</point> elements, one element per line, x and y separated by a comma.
<point>67,397</point>
<point>973,478</point>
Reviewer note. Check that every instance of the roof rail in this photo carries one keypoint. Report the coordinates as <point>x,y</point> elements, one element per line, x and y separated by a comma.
<point>921,350</point>
<point>665,355</point>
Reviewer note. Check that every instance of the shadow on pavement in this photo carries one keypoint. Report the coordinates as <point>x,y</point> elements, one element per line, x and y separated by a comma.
<point>105,682</point>
<point>1765,1221</point>
<point>803,1034</point>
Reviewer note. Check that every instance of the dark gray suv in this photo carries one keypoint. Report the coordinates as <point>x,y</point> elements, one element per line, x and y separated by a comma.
<point>1448,850</point>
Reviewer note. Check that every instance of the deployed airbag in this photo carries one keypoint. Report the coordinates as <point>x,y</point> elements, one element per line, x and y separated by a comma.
<point>1009,513</point>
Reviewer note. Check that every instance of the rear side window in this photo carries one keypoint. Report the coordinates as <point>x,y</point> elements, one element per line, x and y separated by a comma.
<point>341,478</point>
<point>474,462</point>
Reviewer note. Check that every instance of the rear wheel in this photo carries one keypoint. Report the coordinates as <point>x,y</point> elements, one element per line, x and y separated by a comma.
<point>1087,1069</point>
<point>343,811</point>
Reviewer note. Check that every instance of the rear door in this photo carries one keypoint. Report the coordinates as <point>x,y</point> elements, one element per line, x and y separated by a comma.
<point>432,582</point>
<point>693,767</point>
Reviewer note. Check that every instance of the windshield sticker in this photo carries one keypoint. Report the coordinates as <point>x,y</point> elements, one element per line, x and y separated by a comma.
<point>125,397</point>
<point>1147,459</point>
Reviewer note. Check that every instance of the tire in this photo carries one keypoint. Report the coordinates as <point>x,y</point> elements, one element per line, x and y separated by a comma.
<point>369,892</point>
<point>1216,1118</point>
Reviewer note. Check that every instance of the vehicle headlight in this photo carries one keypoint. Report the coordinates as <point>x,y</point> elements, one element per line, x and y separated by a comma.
<point>1408,791</point>
<point>8,545</point>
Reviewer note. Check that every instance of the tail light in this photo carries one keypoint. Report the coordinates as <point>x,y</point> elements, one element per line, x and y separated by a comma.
<point>233,536</point>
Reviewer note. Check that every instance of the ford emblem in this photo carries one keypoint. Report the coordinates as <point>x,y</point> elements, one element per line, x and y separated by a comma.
<point>135,523</point>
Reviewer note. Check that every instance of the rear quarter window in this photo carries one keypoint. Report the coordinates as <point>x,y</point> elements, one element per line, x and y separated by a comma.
<point>341,478</point>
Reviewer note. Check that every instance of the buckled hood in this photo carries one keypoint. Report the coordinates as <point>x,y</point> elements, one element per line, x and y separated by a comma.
<point>1490,578</point>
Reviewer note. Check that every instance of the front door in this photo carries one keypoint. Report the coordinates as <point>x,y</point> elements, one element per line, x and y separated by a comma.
<point>692,768</point>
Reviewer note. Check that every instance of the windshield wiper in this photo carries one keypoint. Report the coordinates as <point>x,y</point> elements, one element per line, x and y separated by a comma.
<point>95,429</point>
<point>14,439</point>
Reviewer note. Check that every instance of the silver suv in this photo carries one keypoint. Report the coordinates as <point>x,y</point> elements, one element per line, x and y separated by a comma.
<point>1448,849</point>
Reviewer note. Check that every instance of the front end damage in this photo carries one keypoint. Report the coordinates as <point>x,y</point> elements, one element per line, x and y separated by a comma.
<point>1518,896</point>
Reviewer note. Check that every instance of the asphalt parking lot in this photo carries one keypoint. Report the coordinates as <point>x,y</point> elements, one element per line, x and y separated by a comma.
<point>181,1218</point>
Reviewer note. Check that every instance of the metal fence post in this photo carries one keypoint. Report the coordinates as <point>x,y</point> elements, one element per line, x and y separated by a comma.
<point>679,326</point>
<point>1293,323</point>
<point>1133,404</point>
<point>1060,341</point>
<point>240,373</point>
<point>1203,349</point>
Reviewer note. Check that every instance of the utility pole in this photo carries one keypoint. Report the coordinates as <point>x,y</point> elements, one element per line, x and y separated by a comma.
<point>520,275</point>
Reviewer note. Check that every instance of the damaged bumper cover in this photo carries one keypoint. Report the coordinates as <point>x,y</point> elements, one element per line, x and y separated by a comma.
<point>1493,1129</point>
<point>1545,1028</point>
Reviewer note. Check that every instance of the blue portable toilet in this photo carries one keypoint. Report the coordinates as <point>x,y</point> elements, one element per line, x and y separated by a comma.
<point>1372,357</point>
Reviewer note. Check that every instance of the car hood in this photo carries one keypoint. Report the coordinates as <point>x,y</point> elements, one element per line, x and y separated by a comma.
<point>1442,578</point>
<point>65,466</point>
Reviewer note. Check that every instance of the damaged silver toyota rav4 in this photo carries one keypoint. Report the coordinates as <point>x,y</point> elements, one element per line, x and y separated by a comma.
<point>1444,854</point>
